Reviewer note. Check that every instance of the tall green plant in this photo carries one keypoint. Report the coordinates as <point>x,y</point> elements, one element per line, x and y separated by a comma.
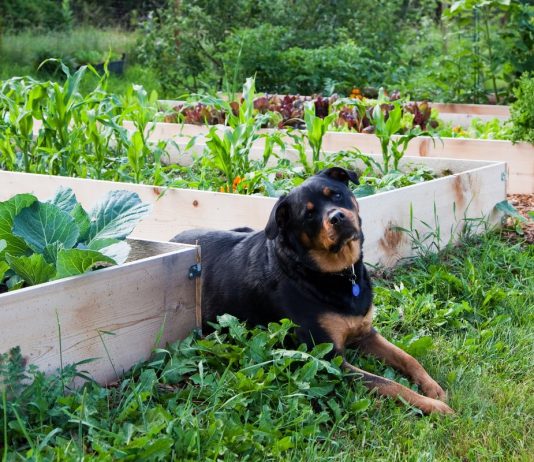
<point>316,128</point>
<point>230,152</point>
<point>522,110</point>
<point>483,10</point>
<point>393,147</point>
<point>79,134</point>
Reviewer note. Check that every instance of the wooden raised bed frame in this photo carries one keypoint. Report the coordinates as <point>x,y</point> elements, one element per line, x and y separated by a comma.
<point>462,114</point>
<point>148,302</point>
<point>116,315</point>
<point>471,192</point>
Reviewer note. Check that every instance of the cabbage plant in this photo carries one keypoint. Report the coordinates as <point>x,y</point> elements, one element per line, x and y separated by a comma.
<point>44,241</point>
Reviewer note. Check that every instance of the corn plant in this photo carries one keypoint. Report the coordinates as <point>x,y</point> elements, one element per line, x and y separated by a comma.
<point>230,152</point>
<point>80,134</point>
<point>316,128</point>
<point>393,148</point>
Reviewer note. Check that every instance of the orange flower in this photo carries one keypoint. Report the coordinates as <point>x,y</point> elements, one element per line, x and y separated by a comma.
<point>356,93</point>
<point>236,182</point>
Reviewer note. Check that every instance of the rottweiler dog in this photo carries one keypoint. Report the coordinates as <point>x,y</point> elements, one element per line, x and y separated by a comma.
<point>307,265</point>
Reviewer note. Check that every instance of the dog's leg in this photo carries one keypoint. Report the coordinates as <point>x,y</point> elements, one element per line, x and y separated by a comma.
<point>391,388</point>
<point>377,346</point>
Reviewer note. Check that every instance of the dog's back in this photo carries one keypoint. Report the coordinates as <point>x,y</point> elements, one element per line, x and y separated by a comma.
<point>236,270</point>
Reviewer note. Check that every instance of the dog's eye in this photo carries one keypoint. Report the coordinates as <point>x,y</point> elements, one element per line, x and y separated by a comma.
<point>309,214</point>
<point>337,196</point>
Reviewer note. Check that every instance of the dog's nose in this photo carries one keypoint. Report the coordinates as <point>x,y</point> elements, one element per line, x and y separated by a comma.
<point>336,217</point>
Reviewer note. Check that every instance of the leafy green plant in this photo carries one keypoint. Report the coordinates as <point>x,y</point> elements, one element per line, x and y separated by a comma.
<point>512,219</point>
<point>80,134</point>
<point>494,129</point>
<point>522,110</point>
<point>229,152</point>
<point>42,241</point>
<point>393,148</point>
<point>316,128</point>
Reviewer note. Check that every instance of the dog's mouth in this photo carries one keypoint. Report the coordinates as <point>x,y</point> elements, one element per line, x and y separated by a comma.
<point>345,239</point>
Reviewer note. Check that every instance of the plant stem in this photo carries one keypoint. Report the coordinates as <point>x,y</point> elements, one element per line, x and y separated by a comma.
<point>490,53</point>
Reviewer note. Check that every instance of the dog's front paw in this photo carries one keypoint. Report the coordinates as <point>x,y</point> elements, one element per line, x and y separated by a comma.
<point>429,405</point>
<point>432,389</point>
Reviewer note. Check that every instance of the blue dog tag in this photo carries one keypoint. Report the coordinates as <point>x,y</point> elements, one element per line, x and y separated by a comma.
<point>355,289</point>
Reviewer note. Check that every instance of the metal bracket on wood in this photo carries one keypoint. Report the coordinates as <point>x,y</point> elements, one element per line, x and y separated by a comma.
<point>195,271</point>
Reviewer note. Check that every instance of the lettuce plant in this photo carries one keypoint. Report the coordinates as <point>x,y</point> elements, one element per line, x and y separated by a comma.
<point>44,241</point>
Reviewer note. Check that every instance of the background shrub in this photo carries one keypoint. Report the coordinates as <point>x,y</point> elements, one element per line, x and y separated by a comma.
<point>522,110</point>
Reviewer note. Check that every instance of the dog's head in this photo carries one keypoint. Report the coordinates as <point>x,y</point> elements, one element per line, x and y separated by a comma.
<point>320,218</point>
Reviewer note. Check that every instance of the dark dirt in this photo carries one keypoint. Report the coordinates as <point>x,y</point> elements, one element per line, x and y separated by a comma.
<point>524,203</point>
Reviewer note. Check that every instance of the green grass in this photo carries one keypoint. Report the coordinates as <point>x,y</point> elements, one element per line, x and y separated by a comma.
<point>27,47</point>
<point>236,394</point>
<point>22,53</point>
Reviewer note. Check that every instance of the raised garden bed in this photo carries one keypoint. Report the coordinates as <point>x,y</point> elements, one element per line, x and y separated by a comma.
<point>519,157</point>
<point>116,315</point>
<point>443,207</point>
<point>462,114</point>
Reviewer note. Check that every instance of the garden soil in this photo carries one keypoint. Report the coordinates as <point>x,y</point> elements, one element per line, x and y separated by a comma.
<point>524,203</point>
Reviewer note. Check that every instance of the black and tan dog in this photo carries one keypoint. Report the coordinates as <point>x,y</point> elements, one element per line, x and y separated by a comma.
<point>307,265</point>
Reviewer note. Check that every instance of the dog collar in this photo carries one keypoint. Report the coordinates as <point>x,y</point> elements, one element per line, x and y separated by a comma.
<point>355,286</point>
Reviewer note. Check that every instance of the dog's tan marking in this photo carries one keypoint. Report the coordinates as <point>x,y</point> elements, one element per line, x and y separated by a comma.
<point>329,262</point>
<point>327,191</point>
<point>386,387</point>
<point>305,240</point>
<point>346,329</point>
<point>310,206</point>
<point>376,345</point>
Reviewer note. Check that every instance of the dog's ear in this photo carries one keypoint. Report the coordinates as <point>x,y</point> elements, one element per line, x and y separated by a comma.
<point>278,218</point>
<point>340,174</point>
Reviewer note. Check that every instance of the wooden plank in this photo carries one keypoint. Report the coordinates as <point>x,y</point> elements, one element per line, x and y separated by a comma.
<point>173,210</point>
<point>519,157</point>
<point>117,314</point>
<point>474,188</point>
<point>473,109</point>
<point>446,205</point>
<point>464,120</point>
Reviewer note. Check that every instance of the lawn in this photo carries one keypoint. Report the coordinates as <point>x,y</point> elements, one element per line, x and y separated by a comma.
<point>23,52</point>
<point>236,394</point>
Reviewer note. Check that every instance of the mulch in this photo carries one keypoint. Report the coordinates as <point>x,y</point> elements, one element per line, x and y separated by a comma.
<point>524,203</point>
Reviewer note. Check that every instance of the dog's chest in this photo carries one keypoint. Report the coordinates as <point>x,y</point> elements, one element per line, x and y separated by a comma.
<point>344,329</point>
